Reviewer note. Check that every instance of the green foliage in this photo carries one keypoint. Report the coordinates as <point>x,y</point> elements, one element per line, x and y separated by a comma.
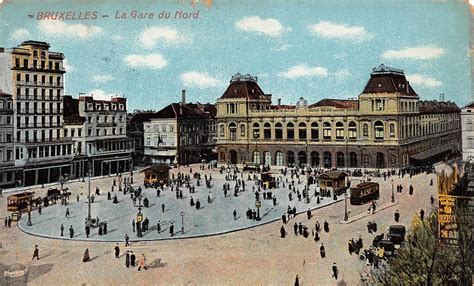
<point>423,260</point>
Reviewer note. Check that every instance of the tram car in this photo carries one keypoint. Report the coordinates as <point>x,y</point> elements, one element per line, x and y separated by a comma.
<point>269,182</point>
<point>19,202</point>
<point>333,181</point>
<point>156,175</point>
<point>364,193</point>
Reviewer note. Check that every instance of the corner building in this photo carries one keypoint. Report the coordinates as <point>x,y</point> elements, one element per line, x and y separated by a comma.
<point>386,127</point>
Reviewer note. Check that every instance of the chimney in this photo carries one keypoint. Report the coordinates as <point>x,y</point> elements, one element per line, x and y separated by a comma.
<point>279,101</point>
<point>408,89</point>
<point>183,96</point>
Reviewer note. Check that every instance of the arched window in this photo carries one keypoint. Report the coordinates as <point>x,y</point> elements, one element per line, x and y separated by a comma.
<point>279,158</point>
<point>340,160</point>
<point>290,156</point>
<point>256,131</point>
<point>327,160</point>
<point>339,130</point>
<point>314,159</point>
<point>352,130</point>
<point>353,160</point>
<point>233,131</point>
<point>267,158</point>
<point>290,131</point>
<point>267,131</point>
<point>35,54</point>
<point>302,131</point>
<point>314,131</point>
<point>301,158</point>
<point>365,130</point>
<point>278,131</point>
<point>326,131</point>
<point>256,157</point>
<point>378,128</point>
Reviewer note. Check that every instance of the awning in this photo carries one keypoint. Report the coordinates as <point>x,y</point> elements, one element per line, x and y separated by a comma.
<point>428,154</point>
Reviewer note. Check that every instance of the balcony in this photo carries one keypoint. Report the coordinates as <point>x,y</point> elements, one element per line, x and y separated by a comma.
<point>39,84</point>
<point>38,111</point>
<point>38,97</point>
<point>40,125</point>
<point>39,68</point>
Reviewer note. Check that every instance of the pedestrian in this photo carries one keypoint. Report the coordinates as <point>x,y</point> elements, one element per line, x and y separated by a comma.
<point>6,222</point>
<point>132,259</point>
<point>158,227</point>
<point>334,270</point>
<point>86,256</point>
<point>322,251</point>
<point>9,222</point>
<point>127,259</point>
<point>282,231</point>
<point>100,229</point>
<point>308,214</point>
<point>162,208</point>
<point>410,190</point>
<point>88,231</point>
<point>422,214</point>
<point>295,228</point>
<point>141,262</point>
<point>105,228</point>
<point>360,244</point>
<point>39,209</point>
<point>326,226</point>
<point>300,228</point>
<point>317,226</point>
<point>36,253</point>
<point>351,248</point>
<point>127,240</point>
<point>235,214</point>
<point>67,212</point>
<point>133,225</point>
<point>297,280</point>
<point>171,229</point>
<point>283,218</point>
<point>62,229</point>
<point>432,199</point>
<point>77,197</point>
<point>117,250</point>
<point>71,232</point>
<point>397,215</point>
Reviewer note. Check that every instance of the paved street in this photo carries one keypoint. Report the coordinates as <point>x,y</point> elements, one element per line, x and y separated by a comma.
<point>255,256</point>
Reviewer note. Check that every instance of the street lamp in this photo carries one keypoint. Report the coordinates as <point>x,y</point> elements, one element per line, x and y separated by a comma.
<point>307,174</point>
<point>393,195</point>
<point>346,214</point>
<point>255,136</point>
<point>89,217</point>
<point>139,222</point>
<point>182,222</point>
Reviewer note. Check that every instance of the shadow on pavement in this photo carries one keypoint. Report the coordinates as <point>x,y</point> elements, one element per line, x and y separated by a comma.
<point>157,264</point>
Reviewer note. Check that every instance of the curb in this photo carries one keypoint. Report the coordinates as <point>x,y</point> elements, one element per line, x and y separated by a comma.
<point>365,214</point>
<point>175,238</point>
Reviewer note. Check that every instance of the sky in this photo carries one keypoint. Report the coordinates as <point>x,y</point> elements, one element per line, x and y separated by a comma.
<point>312,49</point>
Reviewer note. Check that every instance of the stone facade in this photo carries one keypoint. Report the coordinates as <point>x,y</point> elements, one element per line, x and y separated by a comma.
<point>467,123</point>
<point>387,126</point>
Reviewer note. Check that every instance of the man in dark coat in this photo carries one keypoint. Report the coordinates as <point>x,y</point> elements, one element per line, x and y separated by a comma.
<point>282,231</point>
<point>326,226</point>
<point>132,259</point>
<point>127,259</point>
<point>334,270</point>
<point>171,229</point>
<point>322,251</point>
<point>397,216</point>
<point>283,218</point>
<point>36,253</point>
<point>62,229</point>
<point>158,227</point>
<point>88,231</point>
<point>308,214</point>
<point>422,214</point>
<point>117,250</point>
<point>71,232</point>
<point>295,228</point>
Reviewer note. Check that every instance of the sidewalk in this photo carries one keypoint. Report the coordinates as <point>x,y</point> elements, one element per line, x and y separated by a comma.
<point>366,214</point>
<point>22,189</point>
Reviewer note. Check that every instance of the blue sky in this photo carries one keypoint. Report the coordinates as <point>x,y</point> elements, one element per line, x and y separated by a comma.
<point>315,49</point>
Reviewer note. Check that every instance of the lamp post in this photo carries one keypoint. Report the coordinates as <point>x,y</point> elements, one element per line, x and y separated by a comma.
<point>89,218</point>
<point>139,222</point>
<point>347,154</point>
<point>393,194</point>
<point>182,222</point>
<point>307,174</point>
<point>258,204</point>
<point>255,136</point>
<point>346,214</point>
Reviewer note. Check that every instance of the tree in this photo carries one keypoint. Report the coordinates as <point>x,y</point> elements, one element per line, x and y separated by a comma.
<point>423,260</point>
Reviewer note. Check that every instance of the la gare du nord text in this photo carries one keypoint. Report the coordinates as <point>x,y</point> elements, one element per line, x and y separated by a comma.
<point>92,15</point>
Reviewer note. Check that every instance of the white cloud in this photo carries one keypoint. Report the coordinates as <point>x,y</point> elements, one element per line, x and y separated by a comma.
<point>20,34</point>
<point>63,29</point>
<point>423,80</point>
<point>67,66</point>
<point>269,27</point>
<point>102,78</point>
<point>153,35</point>
<point>332,30</point>
<point>415,53</point>
<point>152,61</point>
<point>304,71</point>
<point>100,94</point>
<point>199,79</point>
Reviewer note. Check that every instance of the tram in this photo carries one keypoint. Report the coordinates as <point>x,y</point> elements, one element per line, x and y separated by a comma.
<point>364,193</point>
